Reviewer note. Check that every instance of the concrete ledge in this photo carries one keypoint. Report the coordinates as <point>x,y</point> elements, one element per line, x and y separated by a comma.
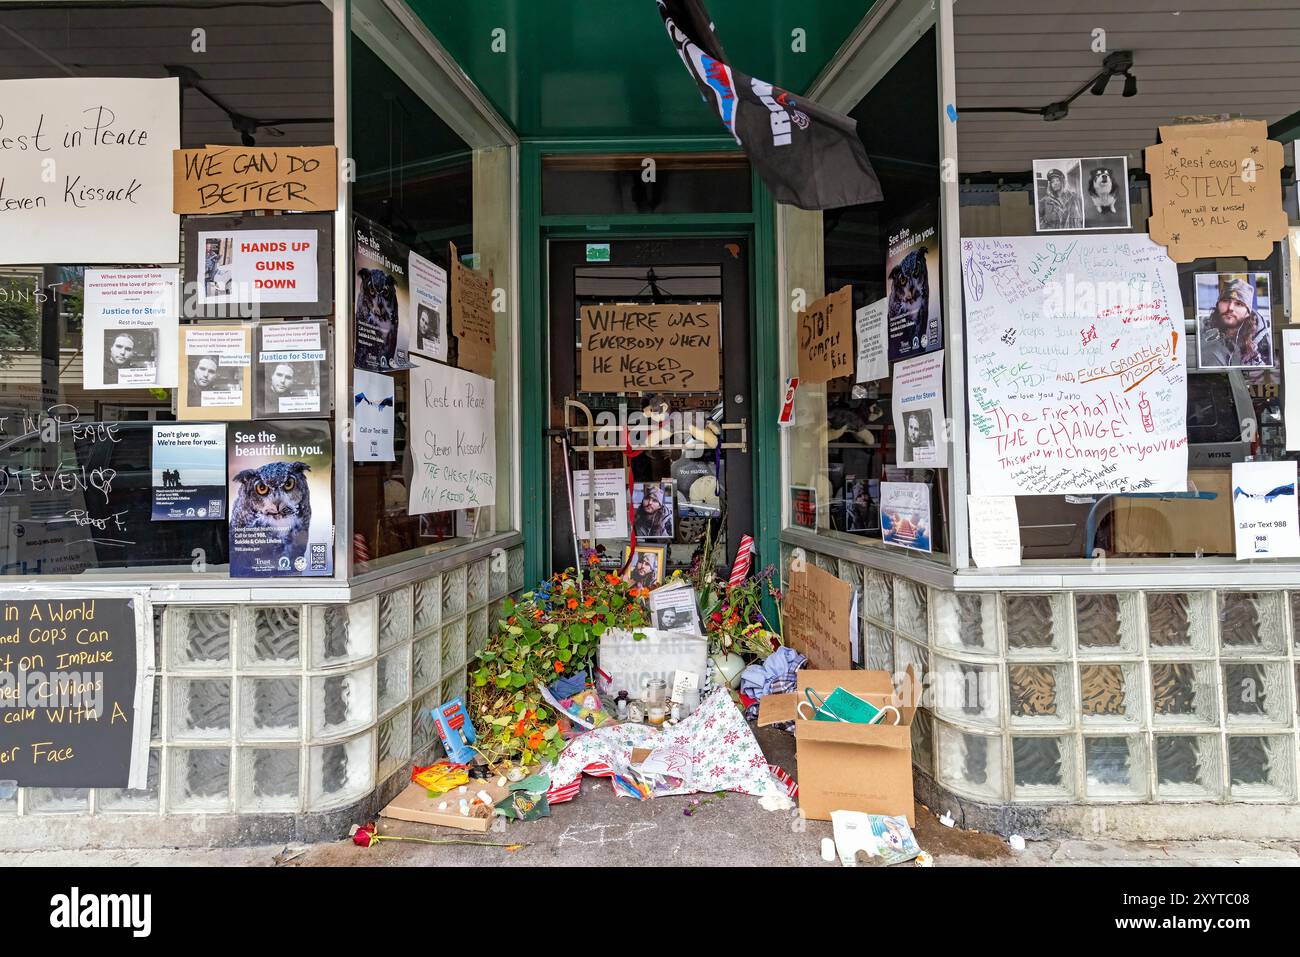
<point>1166,821</point>
<point>36,832</point>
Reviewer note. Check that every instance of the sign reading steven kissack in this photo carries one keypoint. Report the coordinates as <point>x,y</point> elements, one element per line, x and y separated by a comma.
<point>86,170</point>
<point>453,439</point>
<point>74,706</point>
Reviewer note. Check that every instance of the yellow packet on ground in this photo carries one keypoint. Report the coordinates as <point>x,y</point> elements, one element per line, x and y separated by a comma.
<point>440,778</point>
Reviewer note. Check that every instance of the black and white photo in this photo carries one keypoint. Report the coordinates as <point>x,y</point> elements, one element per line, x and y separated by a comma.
<point>1081,193</point>
<point>130,357</point>
<point>289,369</point>
<point>1058,195</point>
<point>918,435</point>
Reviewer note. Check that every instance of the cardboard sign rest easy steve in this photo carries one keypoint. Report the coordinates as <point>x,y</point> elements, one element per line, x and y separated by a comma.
<point>1216,190</point>
<point>226,179</point>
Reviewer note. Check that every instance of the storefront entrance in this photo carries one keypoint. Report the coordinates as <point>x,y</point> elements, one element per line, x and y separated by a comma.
<point>690,473</point>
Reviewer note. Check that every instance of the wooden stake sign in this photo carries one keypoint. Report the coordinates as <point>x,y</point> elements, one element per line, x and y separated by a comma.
<point>227,179</point>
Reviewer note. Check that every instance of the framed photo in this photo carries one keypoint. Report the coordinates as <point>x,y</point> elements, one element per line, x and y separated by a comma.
<point>1081,193</point>
<point>646,569</point>
<point>652,509</point>
<point>251,267</point>
<point>1234,320</point>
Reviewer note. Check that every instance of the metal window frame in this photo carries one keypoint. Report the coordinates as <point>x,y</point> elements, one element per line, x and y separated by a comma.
<point>450,93</point>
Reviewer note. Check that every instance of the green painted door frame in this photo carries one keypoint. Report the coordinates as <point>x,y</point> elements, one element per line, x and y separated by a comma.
<point>534,231</point>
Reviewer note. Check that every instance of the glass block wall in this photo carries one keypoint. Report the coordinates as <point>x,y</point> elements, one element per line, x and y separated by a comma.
<point>297,709</point>
<point>1091,697</point>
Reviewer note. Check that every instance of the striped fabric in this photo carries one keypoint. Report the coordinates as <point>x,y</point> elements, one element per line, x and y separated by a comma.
<point>740,567</point>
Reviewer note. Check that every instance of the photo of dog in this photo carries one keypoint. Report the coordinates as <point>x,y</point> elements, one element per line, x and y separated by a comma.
<point>1075,194</point>
<point>1105,192</point>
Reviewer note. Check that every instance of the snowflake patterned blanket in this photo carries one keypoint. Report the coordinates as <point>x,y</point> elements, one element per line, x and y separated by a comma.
<point>711,750</point>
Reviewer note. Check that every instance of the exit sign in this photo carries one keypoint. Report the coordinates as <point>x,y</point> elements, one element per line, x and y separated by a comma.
<point>597,252</point>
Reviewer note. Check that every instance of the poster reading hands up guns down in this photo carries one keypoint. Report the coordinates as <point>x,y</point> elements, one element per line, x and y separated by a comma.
<point>1076,366</point>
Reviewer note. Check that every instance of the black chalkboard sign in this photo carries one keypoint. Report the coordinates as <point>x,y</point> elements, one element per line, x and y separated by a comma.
<point>68,678</point>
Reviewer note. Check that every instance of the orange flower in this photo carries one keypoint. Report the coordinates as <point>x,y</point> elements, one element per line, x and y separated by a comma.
<point>537,613</point>
<point>534,739</point>
<point>593,559</point>
<point>612,579</point>
<point>511,620</point>
<point>573,603</point>
<point>559,666</point>
<point>589,601</point>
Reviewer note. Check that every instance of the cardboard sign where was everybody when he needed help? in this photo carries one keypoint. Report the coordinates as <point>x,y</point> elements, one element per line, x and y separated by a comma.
<point>639,347</point>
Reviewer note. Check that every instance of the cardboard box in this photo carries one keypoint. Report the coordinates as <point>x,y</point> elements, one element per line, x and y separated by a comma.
<point>1179,525</point>
<point>850,767</point>
<point>414,804</point>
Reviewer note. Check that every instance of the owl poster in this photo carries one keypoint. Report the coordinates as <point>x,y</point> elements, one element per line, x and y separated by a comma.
<point>281,499</point>
<point>913,285</point>
<point>383,299</point>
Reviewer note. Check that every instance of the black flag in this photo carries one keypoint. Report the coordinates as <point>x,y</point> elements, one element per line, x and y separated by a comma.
<point>808,156</point>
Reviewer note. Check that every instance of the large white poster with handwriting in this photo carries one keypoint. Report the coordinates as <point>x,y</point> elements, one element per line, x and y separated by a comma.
<point>453,439</point>
<point>1076,365</point>
<point>86,170</point>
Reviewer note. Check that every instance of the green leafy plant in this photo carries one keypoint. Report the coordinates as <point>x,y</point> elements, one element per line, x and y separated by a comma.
<point>551,631</point>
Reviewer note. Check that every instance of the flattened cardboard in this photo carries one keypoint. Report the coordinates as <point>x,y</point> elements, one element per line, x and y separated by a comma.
<point>816,614</point>
<point>471,317</point>
<point>826,338</point>
<point>414,804</point>
<point>645,348</point>
<point>1203,201</point>
<point>851,767</point>
<point>230,179</point>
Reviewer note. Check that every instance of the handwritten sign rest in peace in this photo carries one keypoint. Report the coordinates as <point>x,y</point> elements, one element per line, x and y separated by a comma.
<point>73,710</point>
<point>452,439</point>
<point>225,179</point>
<point>647,348</point>
<point>85,170</point>
<point>826,338</point>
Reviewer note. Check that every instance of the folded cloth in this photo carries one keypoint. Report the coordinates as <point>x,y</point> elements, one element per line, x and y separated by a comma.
<point>569,685</point>
<point>774,675</point>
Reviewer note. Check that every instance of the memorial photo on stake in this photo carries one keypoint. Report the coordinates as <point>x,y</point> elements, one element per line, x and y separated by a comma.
<point>1234,324</point>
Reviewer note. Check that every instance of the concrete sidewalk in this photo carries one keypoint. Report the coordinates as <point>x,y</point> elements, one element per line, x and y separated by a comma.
<point>599,829</point>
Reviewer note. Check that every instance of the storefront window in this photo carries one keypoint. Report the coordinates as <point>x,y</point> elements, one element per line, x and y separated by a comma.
<point>79,400</point>
<point>1053,145</point>
<point>850,449</point>
<point>422,190</point>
